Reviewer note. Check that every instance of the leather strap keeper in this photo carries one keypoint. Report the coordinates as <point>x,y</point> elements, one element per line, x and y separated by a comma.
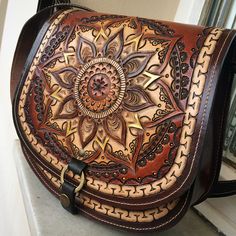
<point>67,198</point>
<point>68,190</point>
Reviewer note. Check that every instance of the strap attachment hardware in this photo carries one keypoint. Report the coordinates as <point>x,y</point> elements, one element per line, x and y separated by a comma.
<point>68,190</point>
<point>82,179</point>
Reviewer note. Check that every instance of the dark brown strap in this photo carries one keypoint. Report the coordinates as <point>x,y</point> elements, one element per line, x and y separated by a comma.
<point>67,198</point>
<point>42,4</point>
<point>76,166</point>
<point>227,187</point>
<point>223,189</point>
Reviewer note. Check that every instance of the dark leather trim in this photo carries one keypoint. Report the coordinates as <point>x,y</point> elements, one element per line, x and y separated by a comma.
<point>212,155</point>
<point>76,166</point>
<point>223,189</point>
<point>68,193</point>
<point>46,3</point>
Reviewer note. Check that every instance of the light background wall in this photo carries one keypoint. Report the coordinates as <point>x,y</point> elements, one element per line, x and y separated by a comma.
<point>156,9</point>
<point>13,14</point>
<point>12,214</point>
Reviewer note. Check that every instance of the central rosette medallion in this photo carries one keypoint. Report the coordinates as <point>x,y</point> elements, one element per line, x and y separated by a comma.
<point>100,87</point>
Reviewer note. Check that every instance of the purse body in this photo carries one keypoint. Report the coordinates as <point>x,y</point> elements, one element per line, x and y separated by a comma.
<point>141,102</point>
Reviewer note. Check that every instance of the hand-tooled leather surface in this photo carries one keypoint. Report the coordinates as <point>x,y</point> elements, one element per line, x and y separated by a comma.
<point>122,94</point>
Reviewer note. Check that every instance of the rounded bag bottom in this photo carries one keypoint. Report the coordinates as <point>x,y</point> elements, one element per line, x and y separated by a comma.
<point>156,219</point>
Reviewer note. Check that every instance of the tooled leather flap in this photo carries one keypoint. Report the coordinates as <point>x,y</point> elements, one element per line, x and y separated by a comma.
<point>133,95</point>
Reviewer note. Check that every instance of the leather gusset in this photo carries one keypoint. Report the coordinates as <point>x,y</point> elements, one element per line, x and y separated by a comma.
<point>215,133</point>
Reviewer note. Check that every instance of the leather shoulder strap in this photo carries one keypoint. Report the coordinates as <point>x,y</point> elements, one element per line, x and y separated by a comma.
<point>46,3</point>
<point>227,187</point>
<point>223,189</point>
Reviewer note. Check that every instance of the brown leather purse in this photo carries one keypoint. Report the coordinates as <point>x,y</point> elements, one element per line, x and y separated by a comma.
<point>123,118</point>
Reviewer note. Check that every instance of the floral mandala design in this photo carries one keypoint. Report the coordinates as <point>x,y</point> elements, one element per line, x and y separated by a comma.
<point>109,103</point>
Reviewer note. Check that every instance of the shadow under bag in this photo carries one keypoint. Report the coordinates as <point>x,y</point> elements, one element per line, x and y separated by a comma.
<point>123,118</point>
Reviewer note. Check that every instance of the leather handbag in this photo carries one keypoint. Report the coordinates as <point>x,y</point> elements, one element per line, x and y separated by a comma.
<point>123,118</point>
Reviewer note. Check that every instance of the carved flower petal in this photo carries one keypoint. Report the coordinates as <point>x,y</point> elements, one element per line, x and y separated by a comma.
<point>85,50</point>
<point>66,109</point>
<point>137,99</point>
<point>168,107</point>
<point>136,62</point>
<point>87,130</point>
<point>114,45</point>
<point>129,162</point>
<point>115,127</point>
<point>65,77</point>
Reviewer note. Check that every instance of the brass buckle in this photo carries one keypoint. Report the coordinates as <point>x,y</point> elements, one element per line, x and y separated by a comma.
<point>82,179</point>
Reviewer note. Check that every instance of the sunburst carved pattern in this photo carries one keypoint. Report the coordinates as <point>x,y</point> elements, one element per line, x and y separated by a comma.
<point>106,86</point>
